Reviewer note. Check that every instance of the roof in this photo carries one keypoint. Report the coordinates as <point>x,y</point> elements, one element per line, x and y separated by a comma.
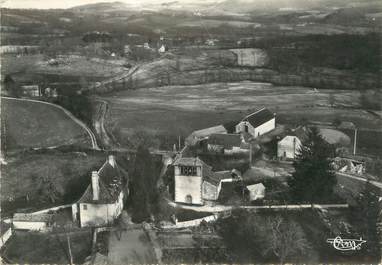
<point>259,117</point>
<point>216,177</point>
<point>189,161</point>
<point>208,131</point>
<point>256,187</point>
<point>27,217</point>
<point>301,133</point>
<point>111,180</point>
<point>31,87</point>
<point>226,140</point>
<point>288,139</point>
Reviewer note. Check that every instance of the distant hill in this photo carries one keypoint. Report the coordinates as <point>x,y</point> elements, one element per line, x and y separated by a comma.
<point>101,7</point>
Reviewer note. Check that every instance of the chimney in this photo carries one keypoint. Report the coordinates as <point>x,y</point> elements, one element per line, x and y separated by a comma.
<point>111,160</point>
<point>95,185</point>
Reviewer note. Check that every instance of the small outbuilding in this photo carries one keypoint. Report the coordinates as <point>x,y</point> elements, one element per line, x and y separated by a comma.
<point>34,222</point>
<point>256,191</point>
<point>31,91</point>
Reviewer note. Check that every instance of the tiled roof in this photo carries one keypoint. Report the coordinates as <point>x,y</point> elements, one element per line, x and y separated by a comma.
<point>111,180</point>
<point>189,161</point>
<point>259,117</point>
<point>27,217</point>
<point>226,140</point>
<point>216,177</point>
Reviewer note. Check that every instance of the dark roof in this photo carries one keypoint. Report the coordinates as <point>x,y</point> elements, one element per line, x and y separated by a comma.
<point>259,117</point>
<point>216,177</point>
<point>4,227</point>
<point>301,133</point>
<point>111,181</point>
<point>226,140</point>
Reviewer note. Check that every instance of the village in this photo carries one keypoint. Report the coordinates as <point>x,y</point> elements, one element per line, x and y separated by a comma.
<point>183,133</point>
<point>255,158</point>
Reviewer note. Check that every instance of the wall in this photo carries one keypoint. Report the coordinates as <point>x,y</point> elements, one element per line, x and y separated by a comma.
<point>100,214</point>
<point>287,146</point>
<point>195,222</point>
<point>188,185</point>
<point>210,192</point>
<point>264,128</point>
<point>5,237</point>
<point>35,226</point>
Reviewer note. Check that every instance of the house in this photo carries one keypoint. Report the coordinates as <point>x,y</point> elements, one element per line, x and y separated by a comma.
<point>196,136</point>
<point>30,91</point>
<point>5,233</point>
<point>257,123</point>
<point>256,191</point>
<point>34,222</point>
<point>127,50</point>
<point>226,143</point>
<point>102,201</point>
<point>289,146</point>
<point>196,183</point>
<point>162,49</point>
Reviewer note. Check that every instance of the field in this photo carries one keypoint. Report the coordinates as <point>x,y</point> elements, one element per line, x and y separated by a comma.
<point>178,110</point>
<point>32,181</point>
<point>45,248</point>
<point>28,124</point>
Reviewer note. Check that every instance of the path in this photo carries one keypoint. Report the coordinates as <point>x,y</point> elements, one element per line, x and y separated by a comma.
<point>80,123</point>
<point>99,124</point>
<point>222,208</point>
<point>131,71</point>
<point>376,184</point>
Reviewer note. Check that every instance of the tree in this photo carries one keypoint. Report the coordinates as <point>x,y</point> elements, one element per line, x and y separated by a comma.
<point>287,239</point>
<point>144,193</point>
<point>313,179</point>
<point>368,210</point>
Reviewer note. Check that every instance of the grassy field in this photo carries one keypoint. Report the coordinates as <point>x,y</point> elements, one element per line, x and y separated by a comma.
<point>42,248</point>
<point>31,124</point>
<point>179,110</point>
<point>31,175</point>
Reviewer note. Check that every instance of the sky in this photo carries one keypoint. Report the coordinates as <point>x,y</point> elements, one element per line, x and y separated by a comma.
<point>45,4</point>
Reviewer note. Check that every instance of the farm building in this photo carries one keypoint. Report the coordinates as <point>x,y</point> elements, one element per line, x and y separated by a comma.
<point>226,143</point>
<point>31,91</point>
<point>34,222</point>
<point>195,182</point>
<point>256,191</point>
<point>196,136</point>
<point>350,166</point>
<point>5,233</point>
<point>257,123</point>
<point>289,146</point>
<point>162,49</point>
<point>103,199</point>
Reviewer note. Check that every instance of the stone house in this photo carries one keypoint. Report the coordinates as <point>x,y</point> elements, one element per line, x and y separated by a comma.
<point>196,183</point>
<point>257,123</point>
<point>289,146</point>
<point>103,200</point>
<point>226,143</point>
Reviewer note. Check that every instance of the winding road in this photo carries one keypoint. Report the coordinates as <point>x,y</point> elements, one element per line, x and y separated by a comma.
<point>68,113</point>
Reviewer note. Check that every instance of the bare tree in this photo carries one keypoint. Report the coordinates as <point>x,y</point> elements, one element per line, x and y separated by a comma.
<point>287,239</point>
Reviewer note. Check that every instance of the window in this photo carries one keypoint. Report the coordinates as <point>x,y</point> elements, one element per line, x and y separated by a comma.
<point>188,171</point>
<point>246,128</point>
<point>189,199</point>
<point>85,207</point>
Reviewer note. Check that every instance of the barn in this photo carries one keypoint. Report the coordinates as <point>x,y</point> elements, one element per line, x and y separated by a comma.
<point>257,123</point>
